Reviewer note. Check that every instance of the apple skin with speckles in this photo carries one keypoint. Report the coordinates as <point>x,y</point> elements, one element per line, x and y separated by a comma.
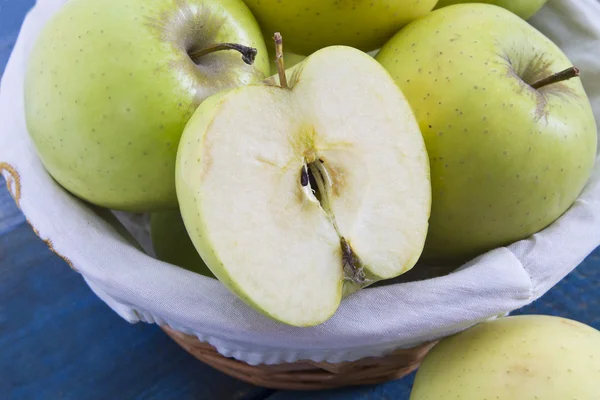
<point>309,25</point>
<point>110,87</point>
<point>523,8</point>
<point>506,159</point>
<point>522,357</point>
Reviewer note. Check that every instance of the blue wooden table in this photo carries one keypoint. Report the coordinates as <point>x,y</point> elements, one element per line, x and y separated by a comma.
<point>59,341</point>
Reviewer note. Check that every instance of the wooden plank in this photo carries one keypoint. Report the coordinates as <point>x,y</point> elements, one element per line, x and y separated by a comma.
<point>10,215</point>
<point>12,13</point>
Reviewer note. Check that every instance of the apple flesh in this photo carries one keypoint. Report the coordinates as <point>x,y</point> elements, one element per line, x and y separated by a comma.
<point>297,195</point>
<point>523,8</point>
<point>507,159</point>
<point>513,358</point>
<point>309,25</point>
<point>111,84</point>
<point>172,244</point>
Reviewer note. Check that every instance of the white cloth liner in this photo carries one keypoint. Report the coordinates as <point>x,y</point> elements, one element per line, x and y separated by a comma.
<point>372,322</point>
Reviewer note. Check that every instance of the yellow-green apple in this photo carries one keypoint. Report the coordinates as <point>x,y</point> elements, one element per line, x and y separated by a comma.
<point>297,194</point>
<point>172,244</point>
<point>511,144</point>
<point>514,358</point>
<point>110,85</point>
<point>309,25</point>
<point>523,8</point>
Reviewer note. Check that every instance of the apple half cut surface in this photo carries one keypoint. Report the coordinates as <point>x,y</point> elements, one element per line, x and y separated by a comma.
<point>297,195</point>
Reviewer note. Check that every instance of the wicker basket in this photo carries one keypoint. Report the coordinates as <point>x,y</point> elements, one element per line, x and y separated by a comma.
<point>308,375</point>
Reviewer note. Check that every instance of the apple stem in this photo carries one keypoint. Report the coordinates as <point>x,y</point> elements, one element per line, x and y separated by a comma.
<point>279,60</point>
<point>564,75</point>
<point>248,53</point>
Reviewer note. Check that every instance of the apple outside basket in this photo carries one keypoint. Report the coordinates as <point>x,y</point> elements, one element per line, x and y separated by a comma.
<point>378,334</point>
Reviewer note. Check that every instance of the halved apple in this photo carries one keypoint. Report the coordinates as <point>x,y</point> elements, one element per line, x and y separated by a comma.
<point>299,194</point>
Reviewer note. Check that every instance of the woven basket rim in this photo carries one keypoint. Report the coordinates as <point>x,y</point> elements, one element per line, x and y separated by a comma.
<point>307,374</point>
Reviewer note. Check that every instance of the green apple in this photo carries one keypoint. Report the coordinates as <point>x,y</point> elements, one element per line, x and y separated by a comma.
<point>299,194</point>
<point>514,358</point>
<point>309,25</point>
<point>110,85</point>
<point>509,153</point>
<point>523,8</point>
<point>172,244</point>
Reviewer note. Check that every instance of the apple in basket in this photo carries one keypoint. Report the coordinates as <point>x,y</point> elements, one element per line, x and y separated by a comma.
<point>509,129</point>
<point>523,8</point>
<point>514,358</point>
<point>309,25</point>
<point>111,84</point>
<point>298,193</point>
<point>172,244</point>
